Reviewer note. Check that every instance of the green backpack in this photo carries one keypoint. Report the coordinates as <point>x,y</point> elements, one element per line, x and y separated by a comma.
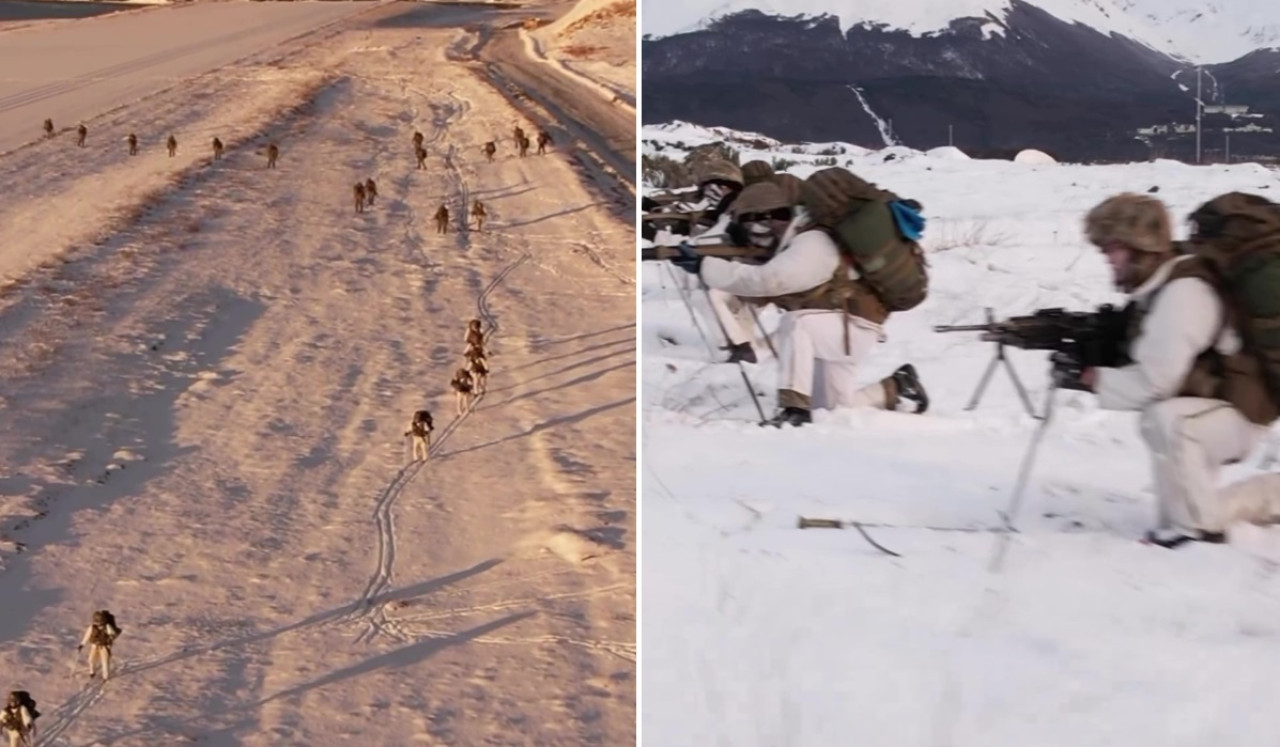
<point>1238,235</point>
<point>876,231</point>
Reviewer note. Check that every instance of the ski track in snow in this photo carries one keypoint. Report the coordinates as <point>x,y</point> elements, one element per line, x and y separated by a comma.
<point>375,618</point>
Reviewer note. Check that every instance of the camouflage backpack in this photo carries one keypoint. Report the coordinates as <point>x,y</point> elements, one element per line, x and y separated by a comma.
<point>103,624</point>
<point>422,423</point>
<point>876,231</point>
<point>1238,235</point>
<point>20,698</point>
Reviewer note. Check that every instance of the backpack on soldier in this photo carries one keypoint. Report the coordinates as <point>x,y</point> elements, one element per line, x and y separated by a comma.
<point>422,423</point>
<point>103,623</point>
<point>876,230</point>
<point>23,698</point>
<point>1238,236</point>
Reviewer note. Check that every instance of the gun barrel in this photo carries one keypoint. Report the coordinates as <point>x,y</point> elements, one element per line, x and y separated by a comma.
<point>964,328</point>
<point>672,216</point>
<point>707,250</point>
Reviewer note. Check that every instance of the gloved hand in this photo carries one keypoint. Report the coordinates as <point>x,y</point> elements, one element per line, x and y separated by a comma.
<point>80,647</point>
<point>738,234</point>
<point>689,260</point>
<point>1069,373</point>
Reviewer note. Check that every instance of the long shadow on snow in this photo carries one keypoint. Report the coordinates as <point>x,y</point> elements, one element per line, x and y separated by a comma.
<point>549,216</point>
<point>322,618</point>
<point>571,383</point>
<point>544,342</point>
<point>629,341</point>
<point>579,380</point>
<point>546,424</point>
<point>630,348</point>
<point>66,713</point>
<point>126,417</point>
<point>405,656</point>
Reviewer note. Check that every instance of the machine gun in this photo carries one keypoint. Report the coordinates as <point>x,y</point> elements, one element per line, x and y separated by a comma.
<point>1081,339</point>
<point>727,251</point>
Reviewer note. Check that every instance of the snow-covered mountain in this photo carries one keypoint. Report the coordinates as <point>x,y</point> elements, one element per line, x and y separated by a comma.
<point>1084,79</point>
<point>1195,31</point>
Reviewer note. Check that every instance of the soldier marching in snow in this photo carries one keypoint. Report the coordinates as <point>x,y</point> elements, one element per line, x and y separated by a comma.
<point>1204,396</point>
<point>475,338</point>
<point>833,315</point>
<point>478,365</point>
<point>421,428</point>
<point>463,388</point>
<point>99,636</point>
<point>19,718</point>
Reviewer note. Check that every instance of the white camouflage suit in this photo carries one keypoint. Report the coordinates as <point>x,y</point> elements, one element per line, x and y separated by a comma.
<point>97,652</point>
<point>813,362</point>
<point>1190,438</point>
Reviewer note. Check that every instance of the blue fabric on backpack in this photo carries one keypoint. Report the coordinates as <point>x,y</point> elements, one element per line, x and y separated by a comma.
<point>909,220</point>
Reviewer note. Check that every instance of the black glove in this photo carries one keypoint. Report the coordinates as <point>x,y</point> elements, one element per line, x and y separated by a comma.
<point>689,260</point>
<point>1067,371</point>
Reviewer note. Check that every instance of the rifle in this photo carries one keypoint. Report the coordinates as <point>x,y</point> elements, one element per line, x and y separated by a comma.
<point>727,251</point>
<point>1077,338</point>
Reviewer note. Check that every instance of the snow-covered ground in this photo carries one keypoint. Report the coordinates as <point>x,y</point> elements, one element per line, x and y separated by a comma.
<point>758,633</point>
<point>595,41</point>
<point>205,372</point>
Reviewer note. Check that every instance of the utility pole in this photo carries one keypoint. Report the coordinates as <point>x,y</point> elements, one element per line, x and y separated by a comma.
<point>950,141</point>
<point>1228,136</point>
<point>1198,107</point>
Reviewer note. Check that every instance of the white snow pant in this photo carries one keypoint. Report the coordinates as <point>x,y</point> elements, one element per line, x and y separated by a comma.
<point>1190,439</point>
<point>808,338</point>
<point>733,314</point>
<point>102,654</point>
<point>420,447</point>
<point>16,739</point>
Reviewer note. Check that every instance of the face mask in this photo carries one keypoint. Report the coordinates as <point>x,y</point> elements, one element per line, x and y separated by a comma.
<point>715,192</point>
<point>761,234</point>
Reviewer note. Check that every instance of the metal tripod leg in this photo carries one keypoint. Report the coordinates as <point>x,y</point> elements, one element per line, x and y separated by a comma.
<point>1013,376</point>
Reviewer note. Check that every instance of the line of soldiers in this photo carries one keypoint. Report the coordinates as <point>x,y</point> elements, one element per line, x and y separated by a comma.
<point>82,136</point>
<point>490,150</point>
<point>468,382</point>
<point>1203,378</point>
<point>18,718</point>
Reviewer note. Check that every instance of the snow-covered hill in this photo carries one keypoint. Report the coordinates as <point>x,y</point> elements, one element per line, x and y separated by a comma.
<point>1201,32</point>
<point>811,637</point>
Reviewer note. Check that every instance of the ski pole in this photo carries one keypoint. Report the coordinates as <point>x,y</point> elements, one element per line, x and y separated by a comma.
<point>751,390</point>
<point>760,326</point>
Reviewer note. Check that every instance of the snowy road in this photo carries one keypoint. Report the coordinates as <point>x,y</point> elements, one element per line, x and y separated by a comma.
<point>93,65</point>
<point>206,368</point>
<point>607,128</point>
